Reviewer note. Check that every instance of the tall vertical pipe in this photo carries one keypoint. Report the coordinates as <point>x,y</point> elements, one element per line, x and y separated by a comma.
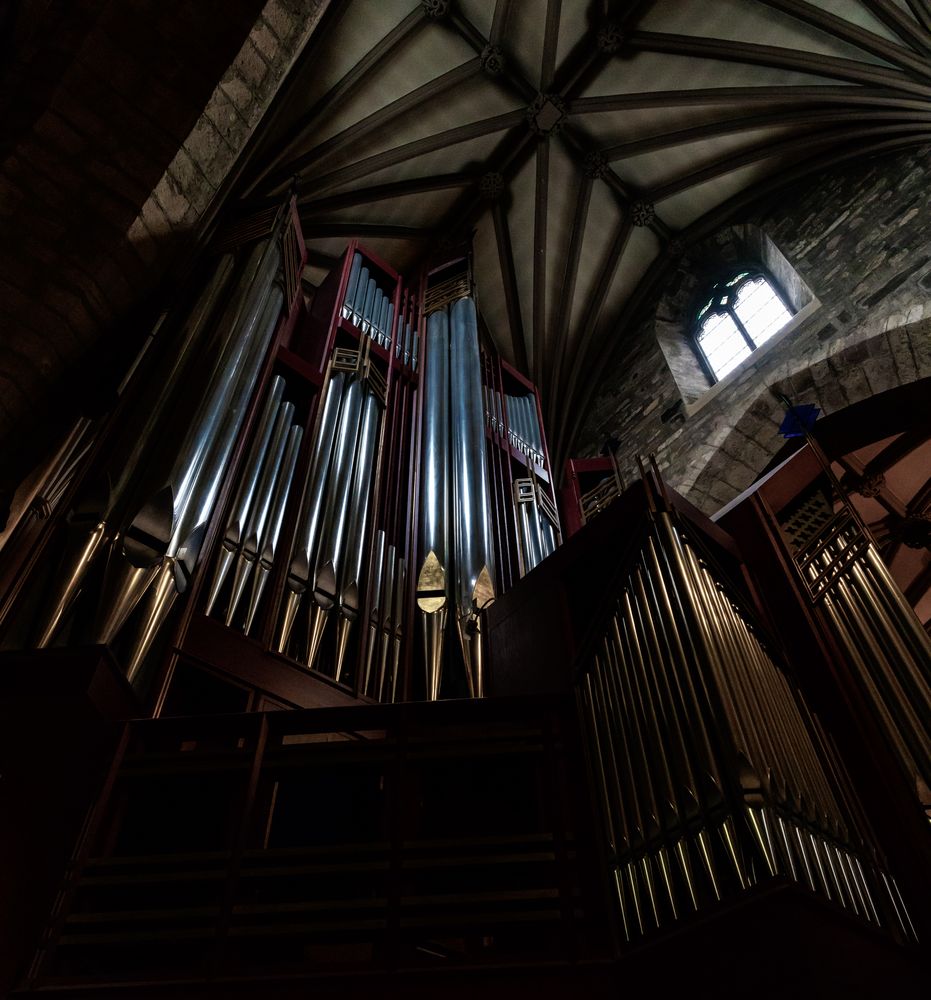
<point>474,587</point>
<point>269,539</point>
<point>432,579</point>
<point>305,540</point>
<point>352,286</point>
<point>333,540</point>
<point>92,516</point>
<point>172,521</point>
<point>351,571</point>
<point>239,509</point>
<point>249,550</point>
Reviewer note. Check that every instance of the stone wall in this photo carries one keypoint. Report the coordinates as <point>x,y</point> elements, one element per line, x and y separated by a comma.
<point>860,239</point>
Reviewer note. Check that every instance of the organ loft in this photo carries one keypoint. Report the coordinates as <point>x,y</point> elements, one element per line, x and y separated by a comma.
<point>465,509</point>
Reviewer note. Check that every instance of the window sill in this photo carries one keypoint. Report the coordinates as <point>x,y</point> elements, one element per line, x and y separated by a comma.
<point>802,316</point>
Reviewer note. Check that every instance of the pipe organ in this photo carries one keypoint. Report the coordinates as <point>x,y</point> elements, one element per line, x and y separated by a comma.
<point>712,773</point>
<point>334,484</point>
<point>334,502</point>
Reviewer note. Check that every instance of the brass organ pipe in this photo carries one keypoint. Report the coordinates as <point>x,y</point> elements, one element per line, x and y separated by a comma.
<point>611,735</point>
<point>674,655</point>
<point>886,622</point>
<point>249,550</point>
<point>910,732</point>
<point>239,509</point>
<point>679,555</point>
<point>269,540</point>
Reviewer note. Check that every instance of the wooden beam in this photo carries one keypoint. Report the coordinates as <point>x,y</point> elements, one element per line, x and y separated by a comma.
<point>566,296</point>
<point>779,148</point>
<point>541,203</point>
<point>378,120</point>
<point>776,58</point>
<point>897,450</point>
<point>385,192</point>
<point>894,18</point>
<point>369,63</point>
<point>851,33</point>
<point>419,147</point>
<point>317,230</point>
<point>509,279</point>
<point>922,12</point>
<point>550,43</point>
<point>580,346</point>
<point>499,21</point>
<point>713,96</point>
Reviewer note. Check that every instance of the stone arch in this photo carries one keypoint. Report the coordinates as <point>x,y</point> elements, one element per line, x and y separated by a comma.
<point>738,448</point>
<point>705,262</point>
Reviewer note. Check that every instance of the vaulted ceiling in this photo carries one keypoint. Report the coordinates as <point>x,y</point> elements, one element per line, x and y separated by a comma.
<point>585,143</point>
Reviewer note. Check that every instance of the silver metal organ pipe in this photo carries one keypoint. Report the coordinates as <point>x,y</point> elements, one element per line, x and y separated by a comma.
<point>432,580</point>
<point>85,545</point>
<point>368,306</point>
<point>362,290</point>
<point>375,329</point>
<point>187,538</point>
<point>360,499</point>
<point>399,587</point>
<point>305,541</point>
<point>239,509</point>
<point>189,535</point>
<point>415,351</point>
<point>171,522</point>
<point>249,550</point>
<point>474,587</point>
<point>378,559</point>
<point>387,609</point>
<point>330,553</point>
<point>352,287</point>
<point>269,540</point>
<point>389,323</point>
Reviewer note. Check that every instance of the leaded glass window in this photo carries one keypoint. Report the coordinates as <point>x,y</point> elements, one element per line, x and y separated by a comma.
<point>742,313</point>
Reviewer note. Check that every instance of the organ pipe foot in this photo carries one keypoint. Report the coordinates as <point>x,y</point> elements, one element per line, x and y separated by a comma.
<point>223,567</point>
<point>255,595</point>
<point>292,603</point>
<point>316,626</point>
<point>470,638</point>
<point>434,632</point>
<point>343,630</point>
<point>159,602</point>
<point>77,560</point>
<point>124,586</point>
<point>240,579</point>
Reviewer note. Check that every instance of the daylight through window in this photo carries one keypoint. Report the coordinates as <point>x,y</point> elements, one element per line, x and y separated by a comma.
<point>741,314</point>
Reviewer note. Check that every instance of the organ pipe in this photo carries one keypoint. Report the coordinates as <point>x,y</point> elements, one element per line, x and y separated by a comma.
<point>712,774</point>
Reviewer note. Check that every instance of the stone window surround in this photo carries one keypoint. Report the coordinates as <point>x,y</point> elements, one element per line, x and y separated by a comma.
<point>810,309</point>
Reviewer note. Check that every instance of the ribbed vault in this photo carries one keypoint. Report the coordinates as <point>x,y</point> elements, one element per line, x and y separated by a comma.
<point>585,144</point>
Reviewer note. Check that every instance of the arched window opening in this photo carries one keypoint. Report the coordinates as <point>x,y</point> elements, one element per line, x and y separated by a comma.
<point>741,314</point>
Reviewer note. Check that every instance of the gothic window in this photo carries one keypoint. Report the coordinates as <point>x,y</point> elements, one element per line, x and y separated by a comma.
<point>742,312</point>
